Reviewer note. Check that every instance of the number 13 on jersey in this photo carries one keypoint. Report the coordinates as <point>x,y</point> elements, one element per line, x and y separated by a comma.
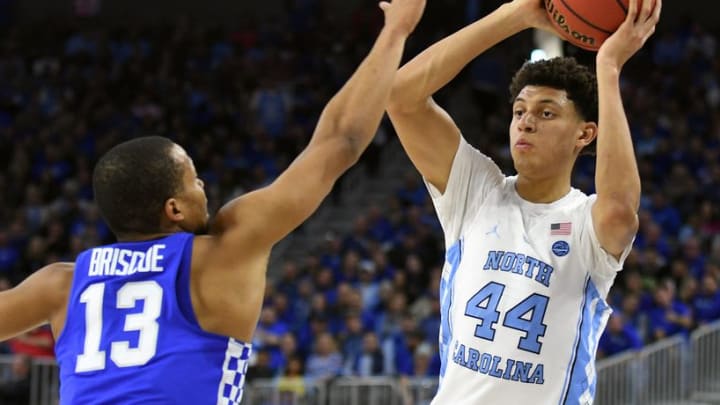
<point>145,323</point>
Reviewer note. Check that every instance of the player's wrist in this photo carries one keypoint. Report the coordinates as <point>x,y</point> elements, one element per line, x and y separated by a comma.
<point>395,32</point>
<point>518,15</point>
<point>607,67</point>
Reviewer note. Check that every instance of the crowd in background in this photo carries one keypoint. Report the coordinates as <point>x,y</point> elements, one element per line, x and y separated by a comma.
<point>244,102</point>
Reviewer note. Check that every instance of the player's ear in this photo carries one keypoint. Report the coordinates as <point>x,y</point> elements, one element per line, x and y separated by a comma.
<point>173,210</point>
<point>586,134</point>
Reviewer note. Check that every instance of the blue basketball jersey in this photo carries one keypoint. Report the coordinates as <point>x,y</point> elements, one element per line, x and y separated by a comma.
<point>131,335</point>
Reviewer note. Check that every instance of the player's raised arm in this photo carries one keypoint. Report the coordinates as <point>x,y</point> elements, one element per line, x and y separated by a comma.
<point>428,134</point>
<point>346,127</point>
<point>616,175</point>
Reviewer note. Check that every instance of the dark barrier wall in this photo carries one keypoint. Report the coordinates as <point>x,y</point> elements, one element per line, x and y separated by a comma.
<point>117,11</point>
<point>230,11</point>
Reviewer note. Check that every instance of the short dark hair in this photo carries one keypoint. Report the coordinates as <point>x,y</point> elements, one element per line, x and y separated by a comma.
<point>132,181</point>
<point>563,74</point>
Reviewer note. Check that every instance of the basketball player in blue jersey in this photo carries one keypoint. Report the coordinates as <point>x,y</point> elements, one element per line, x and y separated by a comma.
<point>163,316</point>
<point>530,259</point>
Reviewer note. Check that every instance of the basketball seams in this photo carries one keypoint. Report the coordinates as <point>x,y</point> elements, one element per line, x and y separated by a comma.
<point>581,18</point>
<point>622,6</point>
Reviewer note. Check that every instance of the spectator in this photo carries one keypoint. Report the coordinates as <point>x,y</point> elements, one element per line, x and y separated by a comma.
<point>380,227</point>
<point>426,361</point>
<point>272,105</point>
<point>9,255</point>
<point>706,304</point>
<point>283,310</point>
<point>634,316</point>
<point>15,389</point>
<point>358,241</point>
<point>269,331</point>
<point>288,281</point>
<point>325,362</point>
<point>370,361</point>
<point>288,349</point>
<point>619,336</point>
<point>412,192</point>
<point>261,369</point>
<point>351,338</point>
<point>368,285</point>
<point>692,254</point>
<point>291,385</point>
<point>389,322</point>
<point>310,333</point>
<point>669,316</point>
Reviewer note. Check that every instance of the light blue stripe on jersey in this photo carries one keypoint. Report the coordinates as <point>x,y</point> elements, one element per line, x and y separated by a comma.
<point>580,389</point>
<point>453,257</point>
<point>575,346</point>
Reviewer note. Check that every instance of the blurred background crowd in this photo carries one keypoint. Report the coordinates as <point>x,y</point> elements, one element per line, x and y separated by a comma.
<point>243,101</point>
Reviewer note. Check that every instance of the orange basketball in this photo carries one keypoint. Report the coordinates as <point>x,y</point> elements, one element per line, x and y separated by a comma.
<point>586,23</point>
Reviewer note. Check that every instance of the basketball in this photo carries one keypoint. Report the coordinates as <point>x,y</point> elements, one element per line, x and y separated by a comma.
<point>586,23</point>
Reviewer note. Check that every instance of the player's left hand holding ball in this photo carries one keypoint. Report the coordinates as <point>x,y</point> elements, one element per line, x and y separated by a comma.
<point>638,26</point>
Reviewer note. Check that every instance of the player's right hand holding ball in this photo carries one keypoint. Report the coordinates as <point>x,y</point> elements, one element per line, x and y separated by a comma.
<point>402,15</point>
<point>638,26</point>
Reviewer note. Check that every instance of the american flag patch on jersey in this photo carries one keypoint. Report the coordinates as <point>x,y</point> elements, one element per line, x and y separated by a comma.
<point>561,228</point>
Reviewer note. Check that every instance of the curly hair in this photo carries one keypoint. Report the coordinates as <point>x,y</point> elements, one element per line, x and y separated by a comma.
<point>563,74</point>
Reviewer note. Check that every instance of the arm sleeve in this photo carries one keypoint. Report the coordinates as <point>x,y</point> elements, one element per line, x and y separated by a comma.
<point>472,176</point>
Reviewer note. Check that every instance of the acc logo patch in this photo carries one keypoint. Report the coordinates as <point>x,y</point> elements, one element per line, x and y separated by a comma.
<point>561,248</point>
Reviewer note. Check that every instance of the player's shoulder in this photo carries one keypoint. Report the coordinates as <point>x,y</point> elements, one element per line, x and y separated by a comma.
<point>221,251</point>
<point>55,282</point>
<point>59,274</point>
<point>59,270</point>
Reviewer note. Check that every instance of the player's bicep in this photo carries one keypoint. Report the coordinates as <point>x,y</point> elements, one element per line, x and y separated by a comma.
<point>602,262</point>
<point>270,213</point>
<point>615,226</point>
<point>430,138</point>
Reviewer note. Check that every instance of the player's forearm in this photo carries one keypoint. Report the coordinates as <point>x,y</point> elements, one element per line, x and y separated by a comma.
<point>356,110</point>
<point>616,175</point>
<point>439,64</point>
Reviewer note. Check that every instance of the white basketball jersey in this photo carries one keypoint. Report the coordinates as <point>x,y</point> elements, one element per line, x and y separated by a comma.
<point>522,291</point>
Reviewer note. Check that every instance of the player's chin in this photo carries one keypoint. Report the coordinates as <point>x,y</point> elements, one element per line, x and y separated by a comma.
<point>520,159</point>
<point>524,165</point>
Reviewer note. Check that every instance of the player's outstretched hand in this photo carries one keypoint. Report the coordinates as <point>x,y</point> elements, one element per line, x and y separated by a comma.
<point>632,34</point>
<point>402,15</point>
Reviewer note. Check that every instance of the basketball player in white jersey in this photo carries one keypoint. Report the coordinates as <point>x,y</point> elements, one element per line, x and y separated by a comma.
<point>530,259</point>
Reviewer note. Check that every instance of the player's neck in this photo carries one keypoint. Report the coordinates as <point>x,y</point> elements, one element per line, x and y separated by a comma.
<point>542,191</point>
